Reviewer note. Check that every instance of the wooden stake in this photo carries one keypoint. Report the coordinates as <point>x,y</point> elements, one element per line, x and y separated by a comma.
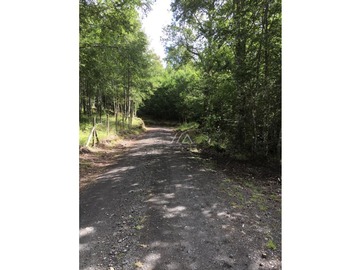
<point>90,136</point>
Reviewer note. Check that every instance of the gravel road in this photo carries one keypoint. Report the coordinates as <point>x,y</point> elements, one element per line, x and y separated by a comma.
<point>162,207</point>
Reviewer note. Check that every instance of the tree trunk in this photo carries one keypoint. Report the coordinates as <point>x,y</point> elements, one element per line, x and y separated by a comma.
<point>239,72</point>
<point>108,125</point>
<point>89,106</point>
<point>132,110</point>
<point>116,122</point>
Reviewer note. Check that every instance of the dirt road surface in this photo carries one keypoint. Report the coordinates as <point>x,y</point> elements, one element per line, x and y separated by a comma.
<point>163,207</point>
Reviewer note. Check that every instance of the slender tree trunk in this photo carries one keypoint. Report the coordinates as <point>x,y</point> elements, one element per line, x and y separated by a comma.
<point>100,108</point>
<point>108,125</point>
<point>116,122</point>
<point>239,72</point>
<point>131,112</point>
<point>89,106</point>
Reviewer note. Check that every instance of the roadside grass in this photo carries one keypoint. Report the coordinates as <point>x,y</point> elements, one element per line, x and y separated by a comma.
<point>93,161</point>
<point>187,126</point>
<point>244,193</point>
<point>86,125</point>
<point>200,138</point>
<point>196,135</point>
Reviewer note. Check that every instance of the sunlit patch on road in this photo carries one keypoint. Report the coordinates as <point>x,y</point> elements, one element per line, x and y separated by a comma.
<point>86,231</point>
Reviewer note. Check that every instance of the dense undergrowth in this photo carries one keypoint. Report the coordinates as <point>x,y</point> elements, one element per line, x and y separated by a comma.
<point>220,148</point>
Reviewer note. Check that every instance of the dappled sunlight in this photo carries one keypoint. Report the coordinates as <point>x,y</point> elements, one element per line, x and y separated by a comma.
<point>182,186</point>
<point>161,181</point>
<point>147,152</point>
<point>169,195</point>
<point>214,206</point>
<point>121,169</point>
<point>161,198</point>
<point>135,190</point>
<point>238,214</point>
<point>86,231</point>
<point>207,213</point>
<point>184,166</point>
<point>150,261</point>
<point>159,244</point>
<point>175,211</point>
<point>157,200</point>
<point>225,260</point>
<point>84,246</point>
<point>91,268</point>
<point>174,266</point>
<point>262,229</point>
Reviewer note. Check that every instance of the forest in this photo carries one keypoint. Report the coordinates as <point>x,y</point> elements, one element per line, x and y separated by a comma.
<point>222,70</point>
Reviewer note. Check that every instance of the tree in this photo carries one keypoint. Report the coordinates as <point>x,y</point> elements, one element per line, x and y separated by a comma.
<point>236,47</point>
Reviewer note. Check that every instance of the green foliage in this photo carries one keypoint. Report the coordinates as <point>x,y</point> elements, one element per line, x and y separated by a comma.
<point>235,49</point>
<point>117,71</point>
<point>178,96</point>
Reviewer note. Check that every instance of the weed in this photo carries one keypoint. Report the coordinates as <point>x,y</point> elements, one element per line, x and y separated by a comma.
<point>271,245</point>
<point>262,207</point>
<point>140,223</point>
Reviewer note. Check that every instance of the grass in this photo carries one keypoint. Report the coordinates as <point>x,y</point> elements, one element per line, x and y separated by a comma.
<point>86,125</point>
<point>234,191</point>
